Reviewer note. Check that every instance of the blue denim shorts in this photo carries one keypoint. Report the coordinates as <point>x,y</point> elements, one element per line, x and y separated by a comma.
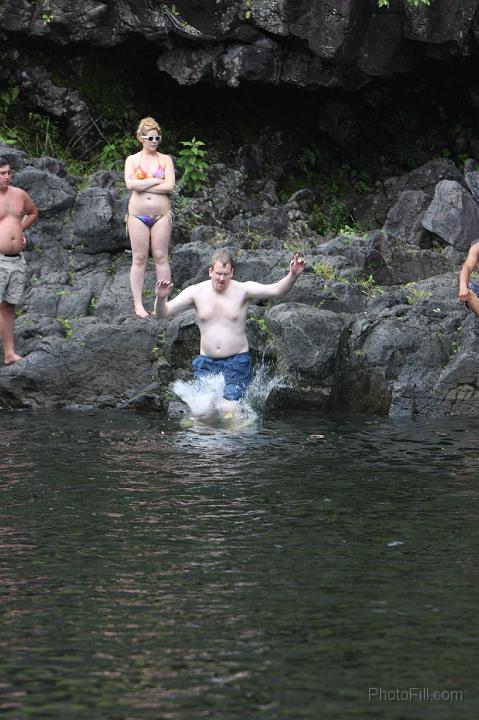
<point>236,369</point>
<point>474,287</point>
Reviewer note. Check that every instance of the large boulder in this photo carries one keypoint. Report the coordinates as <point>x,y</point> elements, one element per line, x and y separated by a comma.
<point>48,191</point>
<point>453,215</point>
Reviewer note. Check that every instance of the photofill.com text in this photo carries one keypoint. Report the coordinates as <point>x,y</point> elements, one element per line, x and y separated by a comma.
<point>414,694</point>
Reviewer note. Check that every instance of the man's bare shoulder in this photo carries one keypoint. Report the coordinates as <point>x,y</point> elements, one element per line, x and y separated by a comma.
<point>474,250</point>
<point>19,194</point>
<point>203,285</point>
<point>199,288</point>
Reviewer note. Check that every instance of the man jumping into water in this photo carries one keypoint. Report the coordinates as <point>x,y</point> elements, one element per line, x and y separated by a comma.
<point>17,213</point>
<point>468,289</point>
<point>221,305</point>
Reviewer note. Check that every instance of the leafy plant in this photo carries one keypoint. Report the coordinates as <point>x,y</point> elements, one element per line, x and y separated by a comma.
<point>385,3</point>
<point>368,287</point>
<point>8,136</point>
<point>192,160</point>
<point>308,161</point>
<point>66,326</point>
<point>113,154</point>
<point>354,230</point>
<point>329,217</point>
<point>324,270</point>
<point>415,295</point>
<point>91,305</point>
<point>40,136</point>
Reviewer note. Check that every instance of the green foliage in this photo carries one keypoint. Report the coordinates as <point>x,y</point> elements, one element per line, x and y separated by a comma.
<point>368,287</point>
<point>248,15</point>
<point>191,159</point>
<point>329,217</point>
<point>354,230</point>
<point>308,162</point>
<point>325,270</point>
<point>385,3</point>
<point>37,134</point>
<point>262,327</point>
<point>294,246</point>
<point>112,155</point>
<point>66,326</point>
<point>40,136</point>
<point>414,295</point>
<point>261,323</point>
<point>91,306</point>
<point>257,239</point>
<point>8,97</point>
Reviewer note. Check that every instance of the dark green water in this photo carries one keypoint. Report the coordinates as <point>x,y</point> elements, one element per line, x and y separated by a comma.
<point>150,571</point>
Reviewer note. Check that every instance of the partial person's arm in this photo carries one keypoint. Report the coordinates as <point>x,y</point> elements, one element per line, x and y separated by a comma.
<point>133,183</point>
<point>166,186</point>
<point>183,301</point>
<point>30,211</point>
<point>469,265</point>
<point>257,291</point>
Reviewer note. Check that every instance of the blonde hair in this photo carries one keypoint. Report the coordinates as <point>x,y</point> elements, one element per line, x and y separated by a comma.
<point>223,256</point>
<point>145,125</point>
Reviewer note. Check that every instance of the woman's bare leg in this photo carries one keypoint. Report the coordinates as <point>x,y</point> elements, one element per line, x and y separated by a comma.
<point>140,242</point>
<point>160,240</point>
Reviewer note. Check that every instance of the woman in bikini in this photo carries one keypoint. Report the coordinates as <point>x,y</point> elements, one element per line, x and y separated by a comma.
<point>150,176</point>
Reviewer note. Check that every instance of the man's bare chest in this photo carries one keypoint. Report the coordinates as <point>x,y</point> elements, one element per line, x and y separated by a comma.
<point>10,207</point>
<point>217,308</point>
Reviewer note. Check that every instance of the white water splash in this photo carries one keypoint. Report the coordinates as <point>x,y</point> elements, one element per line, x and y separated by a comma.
<point>261,387</point>
<point>204,397</point>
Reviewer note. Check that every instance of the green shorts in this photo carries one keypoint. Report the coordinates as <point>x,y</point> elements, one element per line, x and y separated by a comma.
<point>12,278</point>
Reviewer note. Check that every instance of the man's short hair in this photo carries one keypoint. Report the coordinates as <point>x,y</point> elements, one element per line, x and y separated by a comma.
<point>223,256</point>
<point>4,161</point>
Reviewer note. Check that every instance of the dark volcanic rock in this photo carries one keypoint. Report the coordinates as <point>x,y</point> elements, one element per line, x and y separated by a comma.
<point>307,42</point>
<point>373,325</point>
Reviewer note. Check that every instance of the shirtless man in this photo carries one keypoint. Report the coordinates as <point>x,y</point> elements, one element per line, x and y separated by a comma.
<point>17,213</point>
<point>468,289</point>
<point>221,305</point>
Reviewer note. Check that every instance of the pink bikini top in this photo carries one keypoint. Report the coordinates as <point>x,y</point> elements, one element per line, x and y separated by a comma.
<point>159,173</point>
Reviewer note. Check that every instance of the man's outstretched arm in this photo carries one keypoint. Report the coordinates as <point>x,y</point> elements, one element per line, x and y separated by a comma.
<point>469,265</point>
<point>258,291</point>
<point>183,301</point>
<point>465,295</point>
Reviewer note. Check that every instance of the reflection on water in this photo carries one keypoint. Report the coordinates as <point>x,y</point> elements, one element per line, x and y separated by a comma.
<point>274,571</point>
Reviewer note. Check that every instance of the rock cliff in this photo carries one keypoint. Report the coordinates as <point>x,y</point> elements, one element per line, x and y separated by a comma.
<point>372,326</point>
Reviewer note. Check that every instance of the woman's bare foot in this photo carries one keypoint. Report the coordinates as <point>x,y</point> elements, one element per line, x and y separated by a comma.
<point>141,312</point>
<point>10,359</point>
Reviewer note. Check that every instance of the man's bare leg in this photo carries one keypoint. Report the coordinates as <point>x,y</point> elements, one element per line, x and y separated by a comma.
<point>203,406</point>
<point>229,408</point>
<point>209,407</point>
<point>7,320</point>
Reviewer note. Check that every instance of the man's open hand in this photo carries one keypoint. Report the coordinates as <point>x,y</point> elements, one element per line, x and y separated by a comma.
<point>163,288</point>
<point>297,264</point>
